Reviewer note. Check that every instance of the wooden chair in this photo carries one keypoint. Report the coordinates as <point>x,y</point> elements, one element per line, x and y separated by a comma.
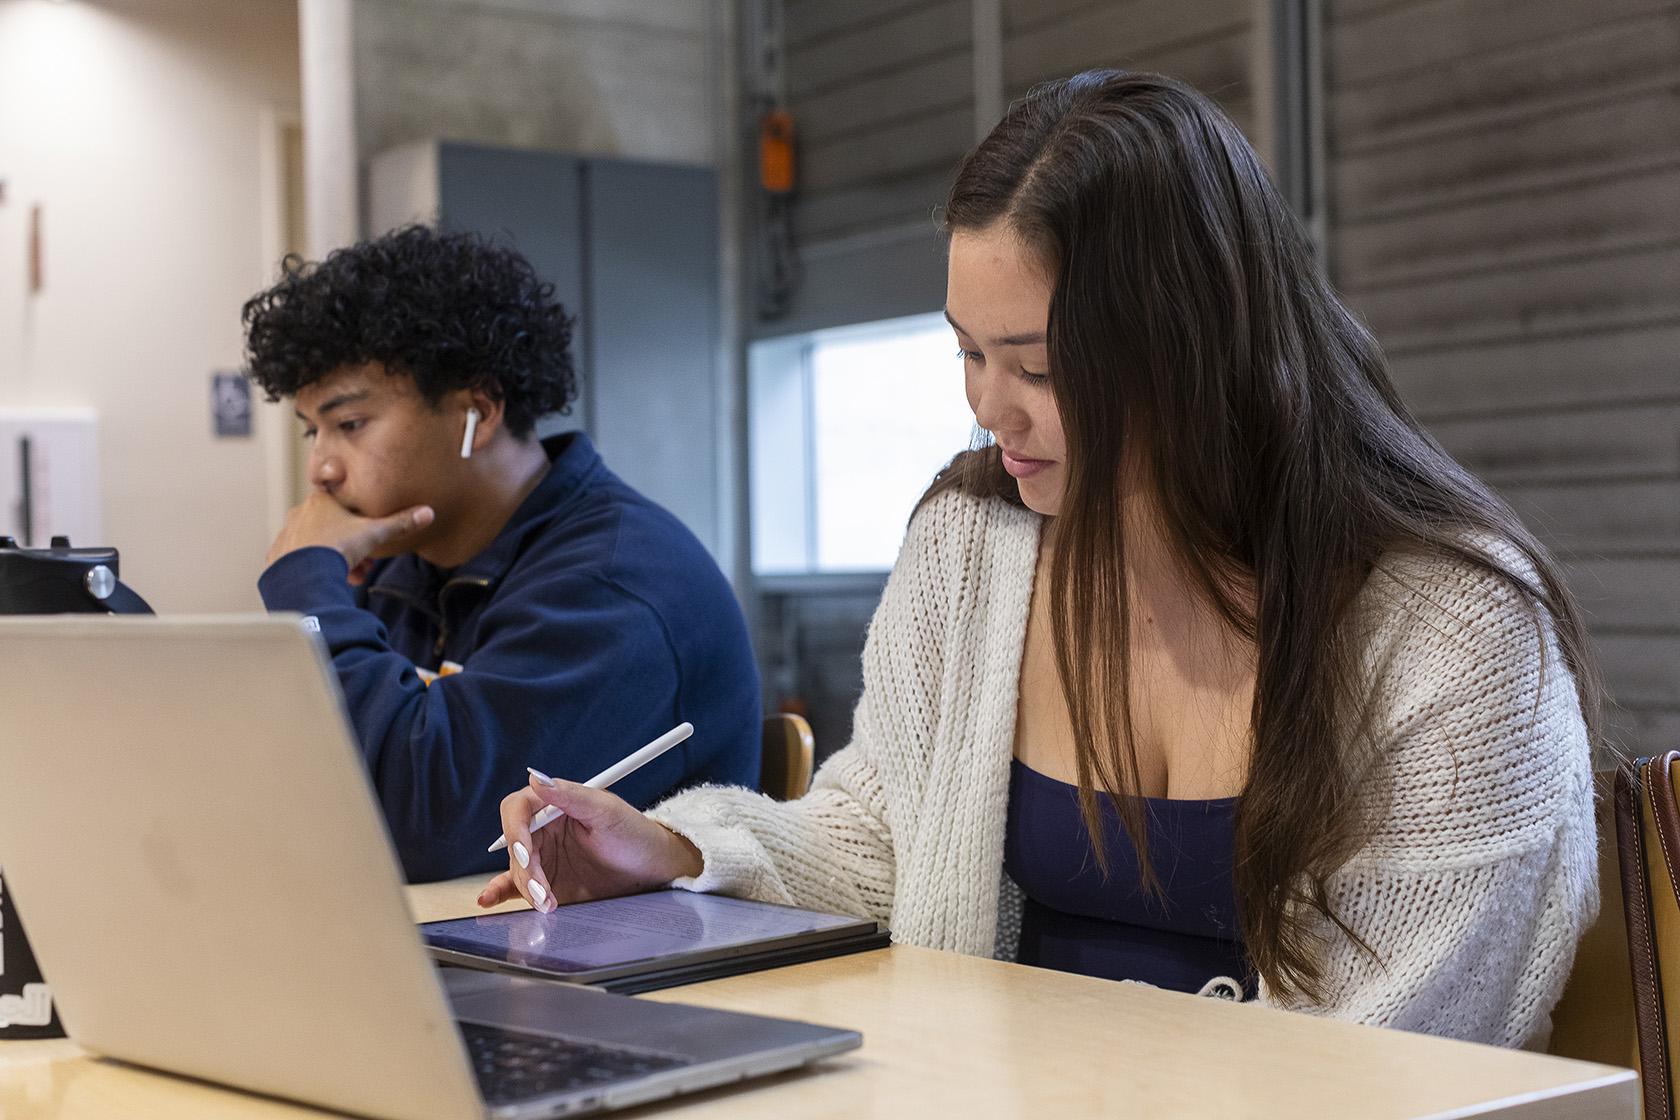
<point>1622,1003</point>
<point>1648,833</point>
<point>790,753</point>
<point>1594,1021</point>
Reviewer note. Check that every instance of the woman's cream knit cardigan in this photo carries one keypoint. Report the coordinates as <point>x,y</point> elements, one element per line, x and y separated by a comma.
<point>1473,887</point>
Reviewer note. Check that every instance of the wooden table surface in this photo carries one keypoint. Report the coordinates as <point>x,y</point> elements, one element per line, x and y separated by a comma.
<point>946,1035</point>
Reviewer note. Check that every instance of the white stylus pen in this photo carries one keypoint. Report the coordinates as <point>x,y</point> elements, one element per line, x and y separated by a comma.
<point>612,774</point>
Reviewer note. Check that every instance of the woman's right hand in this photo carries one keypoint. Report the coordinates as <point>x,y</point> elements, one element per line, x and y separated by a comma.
<point>599,848</point>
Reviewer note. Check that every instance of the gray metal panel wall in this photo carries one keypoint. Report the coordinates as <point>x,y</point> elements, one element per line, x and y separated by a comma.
<point>632,251</point>
<point>1505,189</point>
<point>1209,44</point>
<point>654,312</point>
<point>534,202</point>
<point>882,93</point>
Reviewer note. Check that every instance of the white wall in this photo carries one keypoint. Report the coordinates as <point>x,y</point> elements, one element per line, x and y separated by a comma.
<point>139,127</point>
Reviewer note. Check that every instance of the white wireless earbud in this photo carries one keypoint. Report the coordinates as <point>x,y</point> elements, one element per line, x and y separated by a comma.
<point>466,440</point>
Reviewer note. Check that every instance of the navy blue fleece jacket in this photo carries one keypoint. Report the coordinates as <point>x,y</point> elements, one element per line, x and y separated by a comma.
<point>594,622</point>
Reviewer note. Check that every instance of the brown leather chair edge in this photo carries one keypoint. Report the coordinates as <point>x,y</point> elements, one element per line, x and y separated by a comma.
<point>1648,835</point>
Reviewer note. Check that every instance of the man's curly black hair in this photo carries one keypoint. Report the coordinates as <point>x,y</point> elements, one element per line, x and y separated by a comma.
<point>451,310</point>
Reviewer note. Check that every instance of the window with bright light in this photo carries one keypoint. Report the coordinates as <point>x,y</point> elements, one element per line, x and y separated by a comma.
<point>848,428</point>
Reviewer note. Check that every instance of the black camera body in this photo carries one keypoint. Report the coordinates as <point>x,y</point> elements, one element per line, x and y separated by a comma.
<point>63,580</point>
<point>55,580</point>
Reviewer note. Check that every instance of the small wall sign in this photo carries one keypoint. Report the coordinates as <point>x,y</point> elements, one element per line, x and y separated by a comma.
<point>230,404</point>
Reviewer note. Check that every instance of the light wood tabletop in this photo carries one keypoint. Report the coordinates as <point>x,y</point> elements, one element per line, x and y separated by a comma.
<point>946,1035</point>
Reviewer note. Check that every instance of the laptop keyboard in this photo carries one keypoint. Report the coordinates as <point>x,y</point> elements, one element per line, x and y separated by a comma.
<point>513,1066</point>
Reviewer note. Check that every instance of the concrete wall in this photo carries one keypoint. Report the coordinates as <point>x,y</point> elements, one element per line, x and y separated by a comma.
<point>602,77</point>
<point>1505,189</point>
<point>145,131</point>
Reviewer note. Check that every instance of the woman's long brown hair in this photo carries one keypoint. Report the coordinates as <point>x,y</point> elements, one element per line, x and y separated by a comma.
<point>1189,320</point>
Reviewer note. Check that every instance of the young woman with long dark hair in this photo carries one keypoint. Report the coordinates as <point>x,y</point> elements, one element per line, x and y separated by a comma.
<point>1212,669</point>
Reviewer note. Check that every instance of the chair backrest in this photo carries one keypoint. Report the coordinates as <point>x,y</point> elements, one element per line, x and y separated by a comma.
<point>1594,1020</point>
<point>1648,845</point>
<point>1648,831</point>
<point>790,753</point>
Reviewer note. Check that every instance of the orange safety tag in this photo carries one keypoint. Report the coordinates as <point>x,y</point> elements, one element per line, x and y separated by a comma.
<point>775,152</point>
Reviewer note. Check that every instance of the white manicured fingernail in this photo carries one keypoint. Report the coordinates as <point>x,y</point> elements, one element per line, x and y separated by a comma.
<point>520,854</point>
<point>538,895</point>
<point>542,779</point>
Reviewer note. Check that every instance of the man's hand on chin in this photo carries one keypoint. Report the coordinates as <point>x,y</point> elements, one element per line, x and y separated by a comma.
<point>320,521</point>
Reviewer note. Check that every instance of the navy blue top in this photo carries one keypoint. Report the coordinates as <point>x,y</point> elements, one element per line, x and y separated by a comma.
<point>592,623</point>
<point>1075,921</point>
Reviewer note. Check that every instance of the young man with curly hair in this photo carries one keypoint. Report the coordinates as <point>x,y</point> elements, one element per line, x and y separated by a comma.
<point>561,618</point>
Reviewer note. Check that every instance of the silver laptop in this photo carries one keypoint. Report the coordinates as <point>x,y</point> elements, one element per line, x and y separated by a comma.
<point>189,834</point>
